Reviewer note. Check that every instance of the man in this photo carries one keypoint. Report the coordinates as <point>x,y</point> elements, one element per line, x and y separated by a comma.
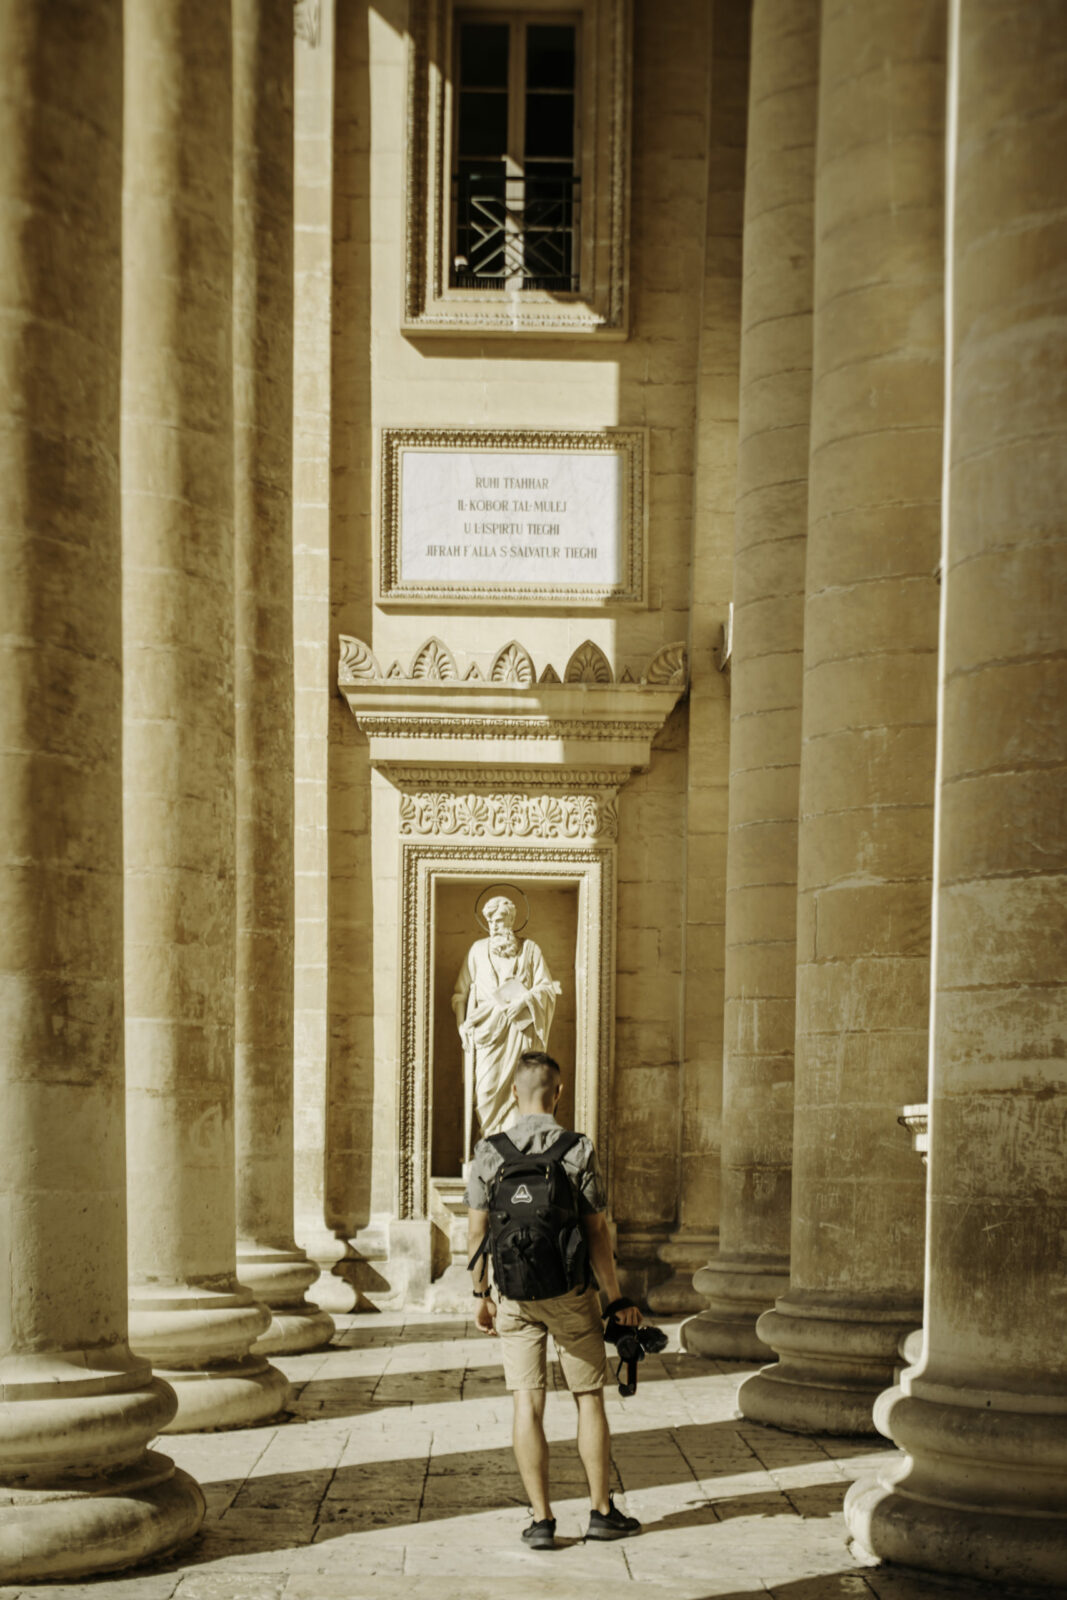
<point>503,1004</point>
<point>573,1319</point>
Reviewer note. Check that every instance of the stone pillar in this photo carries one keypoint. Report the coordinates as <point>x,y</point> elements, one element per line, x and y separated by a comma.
<point>983,1415</point>
<point>865,842</point>
<point>714,492</point>
<point>269,1261</point>
<point>752,1265</point>
<point>79,1493</point>
<point>188,1312</point>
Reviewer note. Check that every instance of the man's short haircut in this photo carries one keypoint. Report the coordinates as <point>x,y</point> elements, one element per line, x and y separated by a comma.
<point>536,1071</point>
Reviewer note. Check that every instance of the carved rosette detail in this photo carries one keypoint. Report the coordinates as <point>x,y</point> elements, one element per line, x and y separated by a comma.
<point>441,813</point>
<point>513,664</point>
<point>358,663</point>
<point>588,664</point>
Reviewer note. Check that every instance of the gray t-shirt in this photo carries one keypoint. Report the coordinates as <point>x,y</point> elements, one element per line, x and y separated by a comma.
<point>536,1133</point>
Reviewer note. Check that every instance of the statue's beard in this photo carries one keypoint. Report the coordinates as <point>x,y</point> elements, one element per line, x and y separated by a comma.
<point>503,944</point>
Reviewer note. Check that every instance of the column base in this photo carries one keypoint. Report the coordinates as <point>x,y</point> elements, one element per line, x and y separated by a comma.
<point>331,1290</point>
<point>294,1331</point>
<point>200,1340</point>
<point>100,1524</point>
<point>737,1293</point>
<point>79,1493</point>
<point>684,1254</point>
<point>237,1395</point>
<point>981,1492</point>
<point>279,1279</point>
<point>834,1361</point>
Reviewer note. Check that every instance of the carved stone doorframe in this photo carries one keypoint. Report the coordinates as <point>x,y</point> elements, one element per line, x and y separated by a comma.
<point>591,869</point>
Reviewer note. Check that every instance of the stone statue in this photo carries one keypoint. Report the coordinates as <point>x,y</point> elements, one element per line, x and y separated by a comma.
<point>504,1000</point>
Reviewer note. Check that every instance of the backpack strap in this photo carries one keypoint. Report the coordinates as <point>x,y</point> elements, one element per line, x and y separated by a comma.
<point>565,1142</point>
<point>504,1147</point>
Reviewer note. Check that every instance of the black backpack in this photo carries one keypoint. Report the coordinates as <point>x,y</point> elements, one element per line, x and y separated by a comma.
<point>535,1234</point>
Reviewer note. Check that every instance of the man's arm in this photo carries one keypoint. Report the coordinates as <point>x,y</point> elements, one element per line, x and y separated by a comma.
<point>477,1226</point>
<point>602,1260</point>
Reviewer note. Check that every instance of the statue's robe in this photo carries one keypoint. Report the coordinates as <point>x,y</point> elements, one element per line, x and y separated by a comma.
<point>494,1045</point>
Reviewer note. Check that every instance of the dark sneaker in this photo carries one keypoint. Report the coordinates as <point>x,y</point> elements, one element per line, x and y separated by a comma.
<point>542,1535</point>
<point>611,1524</point>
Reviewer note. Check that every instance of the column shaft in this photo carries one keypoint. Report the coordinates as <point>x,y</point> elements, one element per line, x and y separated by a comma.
<point>865,841</point>
<point>188,1312</point>
<point>268,1259</point>
<point>752,1265</point>
<point>983,1414</point>
<point>714,489</point>
<point>79,1493</point>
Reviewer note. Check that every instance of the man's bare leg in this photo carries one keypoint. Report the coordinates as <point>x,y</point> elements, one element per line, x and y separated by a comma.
<point>594,1446</point>
<point>531,1448</point>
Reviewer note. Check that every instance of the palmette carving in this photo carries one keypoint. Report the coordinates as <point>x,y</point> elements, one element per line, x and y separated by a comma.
<point>513,665</point>
<point>670,665</point>
<point>441,813</point>
<point>434,660</point>
<point>588,664</point>
<point>357,663</point>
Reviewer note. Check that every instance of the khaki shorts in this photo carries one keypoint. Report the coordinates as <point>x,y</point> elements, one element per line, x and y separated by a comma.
<point>573,1319</point>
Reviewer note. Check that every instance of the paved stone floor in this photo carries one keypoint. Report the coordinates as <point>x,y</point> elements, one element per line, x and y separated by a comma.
<point>394,1478</point>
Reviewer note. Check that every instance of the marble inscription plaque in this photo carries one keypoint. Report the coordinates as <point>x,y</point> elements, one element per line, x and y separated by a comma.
<point>463,518</point>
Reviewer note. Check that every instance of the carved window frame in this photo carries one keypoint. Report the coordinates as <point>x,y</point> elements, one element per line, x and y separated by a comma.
<point>592,871</point>
<point>600,307</point>
<point>631,444</point>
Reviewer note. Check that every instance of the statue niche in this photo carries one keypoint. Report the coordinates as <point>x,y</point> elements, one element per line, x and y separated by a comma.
<point>500,998</point>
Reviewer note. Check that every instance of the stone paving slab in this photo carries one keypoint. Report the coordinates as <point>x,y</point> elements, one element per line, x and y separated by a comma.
<point>393,1479</point>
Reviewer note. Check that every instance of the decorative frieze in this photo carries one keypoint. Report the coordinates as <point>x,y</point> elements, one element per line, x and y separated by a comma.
<point>443,813</point>
<point>513,664</point>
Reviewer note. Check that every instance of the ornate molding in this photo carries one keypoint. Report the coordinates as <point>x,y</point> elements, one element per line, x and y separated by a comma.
<point>512,718</point>
<point>600,307</point>
<point>512,666</point>
<point>443,813</point>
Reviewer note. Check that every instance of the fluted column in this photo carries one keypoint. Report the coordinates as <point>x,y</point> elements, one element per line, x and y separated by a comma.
<point>79,1492</point>
<point>752,1265</point>
<point>983,1414</point>
<point>188,1312</point>
<point>865,840</point>
<point>268,1259</point>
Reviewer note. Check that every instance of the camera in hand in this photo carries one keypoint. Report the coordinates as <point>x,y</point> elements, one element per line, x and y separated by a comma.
<point>632,1344</point>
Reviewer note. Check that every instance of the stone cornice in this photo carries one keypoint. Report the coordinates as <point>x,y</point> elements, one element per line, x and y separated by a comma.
<point>430,716</point>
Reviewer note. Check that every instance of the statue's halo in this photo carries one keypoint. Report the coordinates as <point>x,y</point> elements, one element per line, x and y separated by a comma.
<point>487,893</point>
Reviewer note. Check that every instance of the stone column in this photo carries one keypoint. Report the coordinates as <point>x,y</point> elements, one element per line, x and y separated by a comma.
<point>752,1265</point>
<point>268,1259</point>
<point>865,842</point>
<point>983,1414</point>
<point>79,1493</point>
<point>188,1312</point>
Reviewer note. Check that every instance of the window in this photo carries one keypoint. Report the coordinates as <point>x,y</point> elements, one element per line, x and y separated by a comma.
<point>517,158</point>
<point>516,203</point>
